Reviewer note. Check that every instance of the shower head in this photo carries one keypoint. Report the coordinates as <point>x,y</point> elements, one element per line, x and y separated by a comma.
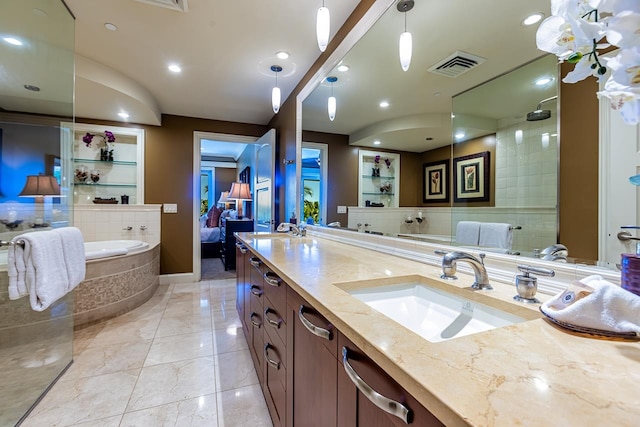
<point>540,114</point>
<point>534,116</point>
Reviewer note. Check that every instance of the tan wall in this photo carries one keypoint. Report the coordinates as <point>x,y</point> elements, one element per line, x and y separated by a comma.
<point>169,178</point>
<point>579,141</point>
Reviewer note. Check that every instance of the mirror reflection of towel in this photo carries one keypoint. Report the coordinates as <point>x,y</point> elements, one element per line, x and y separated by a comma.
<point>468,233</point>
<point>496,235</point>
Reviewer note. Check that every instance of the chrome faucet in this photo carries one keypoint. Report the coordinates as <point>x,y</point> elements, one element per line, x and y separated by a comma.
<point>292,229</point>
<point>449,268</point>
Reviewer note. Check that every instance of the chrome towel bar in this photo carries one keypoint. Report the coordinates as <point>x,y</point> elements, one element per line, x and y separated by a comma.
<point>12,243</point>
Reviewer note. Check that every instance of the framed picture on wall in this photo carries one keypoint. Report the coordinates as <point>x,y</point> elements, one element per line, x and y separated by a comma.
<point>471,178</point>
<point>435,181</point>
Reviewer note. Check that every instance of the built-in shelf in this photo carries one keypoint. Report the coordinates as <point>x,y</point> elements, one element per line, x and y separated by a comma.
<point>122,176</point>
<point>99,184</point>
<point>373,176</point>
<point>115,162</point>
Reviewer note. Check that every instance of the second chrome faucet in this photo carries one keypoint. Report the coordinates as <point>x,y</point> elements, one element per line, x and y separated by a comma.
<point>449,267</point>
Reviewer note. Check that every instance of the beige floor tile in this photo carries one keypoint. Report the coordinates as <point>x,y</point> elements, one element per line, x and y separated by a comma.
<point>226,318</point>
<point>179,347</point>
<point>83,337</point>
<point>105,422</point>
<point>107,359</point>
<point>243,407</point>
<point>172,382</point>
<point>223,304</point>
<point>197,412</point>
<point>235,370</point>
<point>115,332</point>
<point>184,324</point>
<point>182,307</point>
<point>230,339</point>
<point>84,400</point>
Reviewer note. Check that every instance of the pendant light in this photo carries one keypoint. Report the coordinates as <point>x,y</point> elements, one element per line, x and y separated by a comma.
<point>406,43</point>
<point>275,93</point>
<point>331,104</point>
<point>323,27</point>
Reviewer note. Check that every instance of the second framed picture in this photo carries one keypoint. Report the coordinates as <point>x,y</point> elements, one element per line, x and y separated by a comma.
<point>435,181</point>
<point>471,178</point>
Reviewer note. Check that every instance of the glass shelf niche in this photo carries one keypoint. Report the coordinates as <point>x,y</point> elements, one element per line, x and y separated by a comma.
<point>115,162</point>
<point>369,185</point>
<point>122,176</point>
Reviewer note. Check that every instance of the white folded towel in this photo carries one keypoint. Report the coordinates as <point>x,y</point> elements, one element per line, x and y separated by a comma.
<point>73,254</point>
<point>468,233</point>
<point>596,304</point>
<point>50,264</point>
<point>496,235</point>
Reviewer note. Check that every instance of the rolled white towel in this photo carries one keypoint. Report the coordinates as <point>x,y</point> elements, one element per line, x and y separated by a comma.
<point>596,304</point>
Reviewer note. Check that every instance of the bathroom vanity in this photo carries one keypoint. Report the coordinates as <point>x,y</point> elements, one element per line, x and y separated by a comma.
<point>304,322</point>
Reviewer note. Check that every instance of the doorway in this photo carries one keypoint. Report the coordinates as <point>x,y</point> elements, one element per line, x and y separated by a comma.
<point>313,203</point>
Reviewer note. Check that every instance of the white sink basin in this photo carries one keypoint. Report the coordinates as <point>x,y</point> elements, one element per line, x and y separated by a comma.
<point>433,314</point>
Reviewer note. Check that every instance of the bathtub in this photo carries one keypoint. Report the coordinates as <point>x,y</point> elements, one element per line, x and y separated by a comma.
<point>108,248</point>
<point>120,276</point>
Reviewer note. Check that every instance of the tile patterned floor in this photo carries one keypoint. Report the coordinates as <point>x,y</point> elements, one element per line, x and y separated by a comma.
<point>178,360</point>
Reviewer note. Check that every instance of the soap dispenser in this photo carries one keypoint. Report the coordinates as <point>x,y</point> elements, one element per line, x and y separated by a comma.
<point>526,285</point>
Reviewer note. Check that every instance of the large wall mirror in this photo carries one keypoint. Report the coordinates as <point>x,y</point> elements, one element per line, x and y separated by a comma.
<point>490,82</point>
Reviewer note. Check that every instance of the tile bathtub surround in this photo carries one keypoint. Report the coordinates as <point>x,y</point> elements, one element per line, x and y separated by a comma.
<point>108,222</point>
<point>179,359</point>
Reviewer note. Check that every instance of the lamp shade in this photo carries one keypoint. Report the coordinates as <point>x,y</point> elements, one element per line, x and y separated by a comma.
<point>223,197</point>
<point>323,27</point>
<point>239,191</point>
<point>40,185</point>
<point>331,107</point>
<point>275,99</point>
<point>406,47</point>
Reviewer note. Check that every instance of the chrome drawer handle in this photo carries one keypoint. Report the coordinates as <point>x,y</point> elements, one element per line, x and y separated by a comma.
<point>271,362</point>
<point>272,278</point>
<point>387,405</point>
<point>256,290</point>
<point>274,323</point>
<point>253,322</point>
<point>243,250</point>
<point>255,261</point>
<point>315,330</point>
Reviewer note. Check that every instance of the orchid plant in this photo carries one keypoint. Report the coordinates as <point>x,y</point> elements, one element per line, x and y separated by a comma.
<point>108,137</point>
<point>578,30</point>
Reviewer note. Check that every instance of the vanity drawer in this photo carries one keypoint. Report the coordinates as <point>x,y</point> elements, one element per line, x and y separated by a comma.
<point>275,289</point>
<point>274,320</point>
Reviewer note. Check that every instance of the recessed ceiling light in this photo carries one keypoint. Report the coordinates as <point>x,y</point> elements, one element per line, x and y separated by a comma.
<point>343,68</point>
<point>174,68</point>
<point>12,40</point>
<point>534,18</point>
<point>384,104</point>
<point>376,142</point>
<point>543,81</point>
<point>282,54</point>
<point>123,114</point>
<point>32,88</point>
<point>437,93</point>
<point>109,26</point>
<point>459,135</point>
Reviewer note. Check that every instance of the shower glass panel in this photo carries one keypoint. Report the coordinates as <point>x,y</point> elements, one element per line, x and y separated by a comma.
<point>36,96</point>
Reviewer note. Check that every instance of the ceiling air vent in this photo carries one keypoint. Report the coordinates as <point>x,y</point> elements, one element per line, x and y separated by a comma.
<point>180,5</point>
<point>456,64</point>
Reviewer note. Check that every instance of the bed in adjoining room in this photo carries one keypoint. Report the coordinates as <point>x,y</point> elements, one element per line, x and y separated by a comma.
<point>210,244</point>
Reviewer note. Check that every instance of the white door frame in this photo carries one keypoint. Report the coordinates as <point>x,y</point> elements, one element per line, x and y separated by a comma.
<point>195,173</point>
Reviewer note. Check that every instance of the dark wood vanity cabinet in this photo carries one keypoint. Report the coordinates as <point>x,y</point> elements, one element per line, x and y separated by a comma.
<point>242,264</point>
<point>299,359</point>
<point>312,345</point>
<point>355,404</point>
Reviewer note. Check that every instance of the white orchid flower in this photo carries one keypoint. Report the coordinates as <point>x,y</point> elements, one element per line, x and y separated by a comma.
<point>623,30</point>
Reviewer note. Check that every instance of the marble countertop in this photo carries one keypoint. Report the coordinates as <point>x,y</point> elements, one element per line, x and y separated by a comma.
<point>529,373</point>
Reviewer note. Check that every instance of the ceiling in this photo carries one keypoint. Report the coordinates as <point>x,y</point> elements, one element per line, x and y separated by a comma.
<point>226,49</point>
